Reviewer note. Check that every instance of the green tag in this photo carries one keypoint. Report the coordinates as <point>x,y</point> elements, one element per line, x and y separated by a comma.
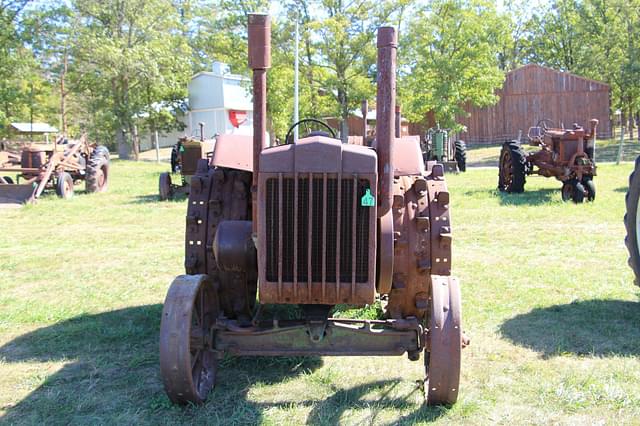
<point>181,148</point>
<point>367,199</point>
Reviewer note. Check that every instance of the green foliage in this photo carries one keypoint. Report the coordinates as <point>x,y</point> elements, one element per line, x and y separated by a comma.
<point>449,59</point>
<point>128,57</point>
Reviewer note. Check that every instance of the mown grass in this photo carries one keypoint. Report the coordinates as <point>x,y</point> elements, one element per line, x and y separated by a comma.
<point>548,303</point>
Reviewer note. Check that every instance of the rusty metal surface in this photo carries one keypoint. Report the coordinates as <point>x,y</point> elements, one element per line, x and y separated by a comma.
<point>444,341</point>
<point>259,62</point>
<point>187,364</point>
<point>308,186</point>
<point>216,195</point>
<point>338,337</point>
<point>233,152</point>
<point>385,110</point>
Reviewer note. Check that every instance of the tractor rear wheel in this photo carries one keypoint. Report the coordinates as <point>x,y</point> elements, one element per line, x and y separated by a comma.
<point>64,185</point>
<point>461,155</point>
<point>164,186</point>
<point>512,168</point>
<point>97,177</point>
<point>187,363</point>
<point>632,221</point>
<point>444,348</point>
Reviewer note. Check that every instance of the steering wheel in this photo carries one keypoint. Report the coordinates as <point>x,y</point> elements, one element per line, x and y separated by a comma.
<point>545,124</point>
<point>309,125</point>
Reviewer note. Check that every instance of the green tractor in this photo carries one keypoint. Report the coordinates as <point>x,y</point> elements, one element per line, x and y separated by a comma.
<point>437,146</point>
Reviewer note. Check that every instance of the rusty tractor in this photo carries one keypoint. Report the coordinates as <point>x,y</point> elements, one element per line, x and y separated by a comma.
<point>314,223</point>
<point>59,166</point>
<point>566,154</point>
<point>185,155</point>
<point>437,146</point>
<point>632,221</point>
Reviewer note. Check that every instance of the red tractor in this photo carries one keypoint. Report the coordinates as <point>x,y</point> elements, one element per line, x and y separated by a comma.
<point>315,223</point>
<point>566,154</point>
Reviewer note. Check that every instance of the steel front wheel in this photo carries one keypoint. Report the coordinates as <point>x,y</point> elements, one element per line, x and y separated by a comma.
<point>187,364</point>
<point>444,348</point>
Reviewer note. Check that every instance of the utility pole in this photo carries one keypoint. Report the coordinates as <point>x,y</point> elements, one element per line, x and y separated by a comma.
<point>296,112</point>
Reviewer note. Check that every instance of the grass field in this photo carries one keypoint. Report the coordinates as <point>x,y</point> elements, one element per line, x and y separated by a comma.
<point>548,300</point>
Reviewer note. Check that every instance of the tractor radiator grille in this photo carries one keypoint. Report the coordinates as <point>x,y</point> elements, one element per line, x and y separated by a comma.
<point>316,226</point>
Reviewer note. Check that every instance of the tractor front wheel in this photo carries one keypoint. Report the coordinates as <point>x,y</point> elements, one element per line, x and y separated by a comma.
<point>64,185</point>
<point>165,187</point>
<point>187,363</point>
<point>590,186</point>
<point>444,347</point>
<point>573,190</point>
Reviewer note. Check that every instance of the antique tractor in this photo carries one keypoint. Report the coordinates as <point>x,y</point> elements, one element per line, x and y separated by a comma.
<point>314,224</point>
<point>58,166</point>
<point>566,154</point>
<point>185,155</point>
<point>437,146</point>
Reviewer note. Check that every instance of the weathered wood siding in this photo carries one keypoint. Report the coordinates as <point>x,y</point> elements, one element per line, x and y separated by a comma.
<point>533,92</point>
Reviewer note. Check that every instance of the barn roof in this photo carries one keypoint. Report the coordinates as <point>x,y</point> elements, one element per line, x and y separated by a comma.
<point>33,128</point>
<point>577,82</point>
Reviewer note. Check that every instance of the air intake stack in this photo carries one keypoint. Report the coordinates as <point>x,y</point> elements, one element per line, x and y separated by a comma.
<point>385,114</point>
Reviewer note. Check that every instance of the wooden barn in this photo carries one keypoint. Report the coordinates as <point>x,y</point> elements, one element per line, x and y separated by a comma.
<point>533,92</point>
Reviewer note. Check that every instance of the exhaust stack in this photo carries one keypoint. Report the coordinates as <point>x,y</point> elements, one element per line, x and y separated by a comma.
<point>385,114</point>
<point>259,62</point>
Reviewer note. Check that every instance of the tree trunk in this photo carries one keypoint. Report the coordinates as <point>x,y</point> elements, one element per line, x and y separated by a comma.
<point>63,94</point>
<point>124,149</point>
<point>344,110</point>
<point>630,124</point>
<point>135,142</point>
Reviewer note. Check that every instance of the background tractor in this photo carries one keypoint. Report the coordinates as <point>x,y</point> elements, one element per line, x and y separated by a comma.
<point>27,171</point>
<point>314,224</point>
<point>566,154</point>
<point>437,146</point>
<point>185,155</point>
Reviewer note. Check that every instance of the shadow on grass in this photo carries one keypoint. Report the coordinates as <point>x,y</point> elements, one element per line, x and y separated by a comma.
<point>155,198</point>
<point>111,374</point>
<point>591,327</point>
<point>330,411</point>
<point>531,198</point>
<point>623,189</point>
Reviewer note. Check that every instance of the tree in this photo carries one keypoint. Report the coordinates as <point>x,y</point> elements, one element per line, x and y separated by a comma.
<point>128,55</point>
<point>345,34</point>
<point>450,59</point>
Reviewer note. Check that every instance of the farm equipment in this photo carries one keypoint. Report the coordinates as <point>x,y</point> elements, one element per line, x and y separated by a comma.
<point>437,146</point>
<point>566,154</point>
<point>314,224</point>
<point>60,165</point>
<point>632,221</point>
<point>185,155</point>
